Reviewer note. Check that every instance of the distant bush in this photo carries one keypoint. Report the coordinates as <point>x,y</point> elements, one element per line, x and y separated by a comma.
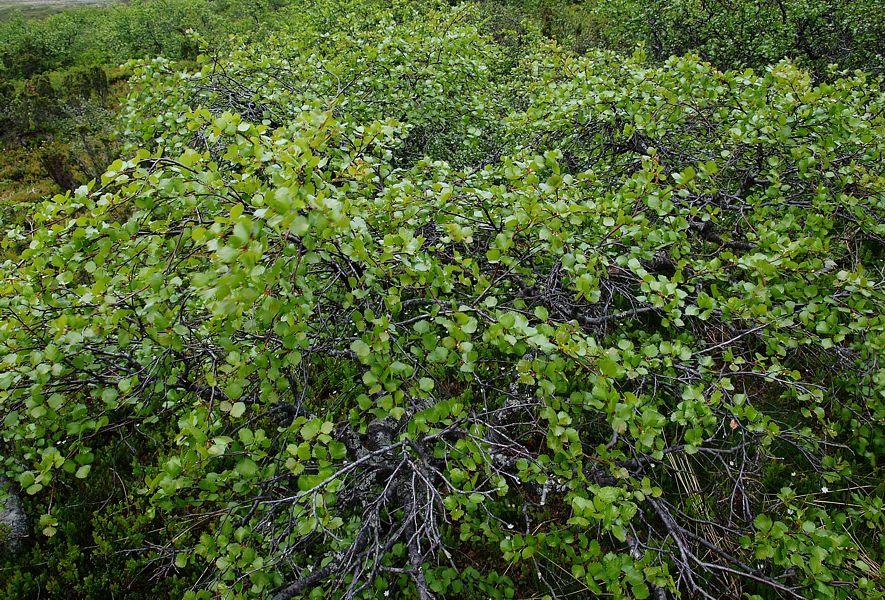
<point>731,34</point>
<point>7,97</point>
<point>85,83</point>
<point>112,34</point>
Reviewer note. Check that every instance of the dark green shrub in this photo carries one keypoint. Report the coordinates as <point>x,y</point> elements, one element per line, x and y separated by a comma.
<point>731,34</point>
<point>85,83</point>
<point>56,160</point>
<point>38,103</point>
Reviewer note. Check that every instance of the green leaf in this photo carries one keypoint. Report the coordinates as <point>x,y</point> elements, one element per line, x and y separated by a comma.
<point>311,429</point>
<point>337,450</point>
<point>609,368</point>
<point>762,523</point>
<point>361,349</point>
<point>247,467</point>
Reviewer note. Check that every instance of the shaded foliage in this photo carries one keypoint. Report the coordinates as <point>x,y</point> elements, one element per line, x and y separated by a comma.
<point>731,34</point>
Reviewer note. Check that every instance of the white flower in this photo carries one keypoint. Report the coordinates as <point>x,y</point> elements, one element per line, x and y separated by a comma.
<point>386,593</point>
<point>793,474</point>
<point>509,525</point>
<point>825,489</point>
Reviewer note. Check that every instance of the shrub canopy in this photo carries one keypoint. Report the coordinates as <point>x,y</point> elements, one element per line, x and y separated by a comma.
<point>388,305</point>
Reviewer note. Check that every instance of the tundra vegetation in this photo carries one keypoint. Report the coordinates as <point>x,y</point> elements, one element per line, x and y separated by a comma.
<point>412,300</point>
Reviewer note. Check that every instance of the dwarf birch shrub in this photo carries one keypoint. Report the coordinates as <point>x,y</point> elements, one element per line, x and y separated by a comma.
<point>387,311</point>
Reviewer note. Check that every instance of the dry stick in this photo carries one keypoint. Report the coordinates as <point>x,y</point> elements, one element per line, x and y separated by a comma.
<point>319,575</point>
<point>359,545</point>
<point>675,532</point>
